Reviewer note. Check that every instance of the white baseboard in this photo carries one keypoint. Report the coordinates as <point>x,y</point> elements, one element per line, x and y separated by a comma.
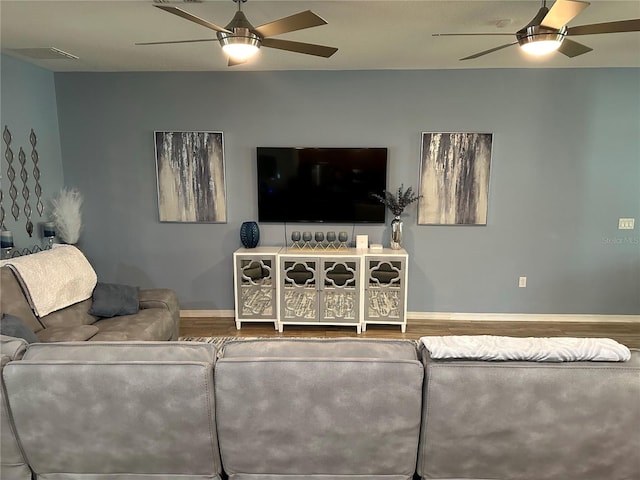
<point>522,317</point>
<point>469,317</point>
<point>206,313</point>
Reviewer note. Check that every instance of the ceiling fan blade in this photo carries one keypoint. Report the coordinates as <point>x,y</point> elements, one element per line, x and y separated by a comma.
<point>573,49</point>
<point>298,47</point>
<point>607,27</point>
<point>179,41</point>
<point>468,34</point>
<point>476,55</point>
<point>186,15</point>
<point>298,21</point>
<point>562,12</point>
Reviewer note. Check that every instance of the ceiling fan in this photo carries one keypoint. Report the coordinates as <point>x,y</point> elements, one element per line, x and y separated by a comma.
<point>548,31</point>
<point>240,40</point>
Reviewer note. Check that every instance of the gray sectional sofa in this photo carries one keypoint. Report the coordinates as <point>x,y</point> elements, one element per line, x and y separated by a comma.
<point>293,409</point>
<point>158,316</point>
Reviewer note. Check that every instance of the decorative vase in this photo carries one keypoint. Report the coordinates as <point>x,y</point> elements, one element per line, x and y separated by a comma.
<point>396,233</point>
<point>249,234</point>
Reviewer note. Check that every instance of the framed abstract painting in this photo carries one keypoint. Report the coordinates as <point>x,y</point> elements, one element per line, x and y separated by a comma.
<point>191,178</point>
<point>454,178</point>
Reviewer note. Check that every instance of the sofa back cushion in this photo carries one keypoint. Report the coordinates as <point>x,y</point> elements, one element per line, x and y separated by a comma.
<point>14,301</point>
<point>54,279</point>
<point>531,420</point>
<point>87,411</point>
<point>312,415</point>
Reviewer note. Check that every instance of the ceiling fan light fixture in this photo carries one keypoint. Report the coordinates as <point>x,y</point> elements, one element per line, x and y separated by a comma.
<point>537,40</point>
<point>240,46</point>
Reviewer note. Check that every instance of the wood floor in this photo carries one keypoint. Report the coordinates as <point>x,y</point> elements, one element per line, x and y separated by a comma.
<point>626,333</point>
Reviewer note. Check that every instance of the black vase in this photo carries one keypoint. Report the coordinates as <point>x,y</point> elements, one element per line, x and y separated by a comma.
<point>249,234</point>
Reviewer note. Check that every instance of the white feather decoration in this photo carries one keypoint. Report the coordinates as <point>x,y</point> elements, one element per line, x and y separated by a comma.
<point>66,214</point>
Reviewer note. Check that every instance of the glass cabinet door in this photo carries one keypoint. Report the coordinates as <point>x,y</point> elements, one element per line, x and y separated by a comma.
<point>299,289</point>
<point>339,299</point>
<point>384,297</point>
<point>256,287</point>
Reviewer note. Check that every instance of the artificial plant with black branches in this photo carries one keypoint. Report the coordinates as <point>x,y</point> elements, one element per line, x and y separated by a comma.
<point>399,201</point>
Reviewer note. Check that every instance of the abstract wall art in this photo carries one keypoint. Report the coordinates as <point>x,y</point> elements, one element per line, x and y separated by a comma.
<point>191,179</point>
<point>454,178</point>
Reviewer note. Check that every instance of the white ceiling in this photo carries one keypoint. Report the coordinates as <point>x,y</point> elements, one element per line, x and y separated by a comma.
<point>370,35</point>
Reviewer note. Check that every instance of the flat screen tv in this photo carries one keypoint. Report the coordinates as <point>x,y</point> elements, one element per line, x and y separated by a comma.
<point>330,185</point>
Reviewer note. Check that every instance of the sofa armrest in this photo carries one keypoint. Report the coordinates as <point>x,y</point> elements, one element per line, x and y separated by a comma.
<point>162,298</point>
<point>12,347</point>
<point>158,298</point>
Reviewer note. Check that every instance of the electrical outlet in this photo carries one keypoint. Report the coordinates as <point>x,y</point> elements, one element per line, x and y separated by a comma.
<point>522,282</point>
<point>626,223</point>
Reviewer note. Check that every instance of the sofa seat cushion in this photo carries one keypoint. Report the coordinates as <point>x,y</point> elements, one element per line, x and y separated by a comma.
<point>148,324</point>
<point>72,316</point>
<point>68,334</point>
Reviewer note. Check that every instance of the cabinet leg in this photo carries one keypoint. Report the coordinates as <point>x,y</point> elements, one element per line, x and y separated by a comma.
<point>238,325</point>
<point>403,328</point>
<point>358,329</point>
<point>275,324</point>
<point>280,328</point>
<point>364,327</point>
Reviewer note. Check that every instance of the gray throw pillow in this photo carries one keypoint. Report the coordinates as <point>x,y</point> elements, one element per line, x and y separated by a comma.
<point>113,299</point>
<point>14,327</point>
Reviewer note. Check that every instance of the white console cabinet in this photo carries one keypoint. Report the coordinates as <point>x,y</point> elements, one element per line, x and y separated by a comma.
<point>349,287</point>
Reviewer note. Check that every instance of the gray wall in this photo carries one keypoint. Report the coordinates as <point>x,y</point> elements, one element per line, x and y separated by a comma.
<point>566,165</point>
<point>29,101</point>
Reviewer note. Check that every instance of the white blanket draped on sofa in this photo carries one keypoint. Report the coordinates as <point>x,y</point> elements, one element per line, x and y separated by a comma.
<point>550,349</point>
<point>54,279</point>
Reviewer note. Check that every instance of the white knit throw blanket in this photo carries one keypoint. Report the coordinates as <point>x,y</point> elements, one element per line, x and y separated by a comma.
<point>54,279</point>
<point>553,349</point>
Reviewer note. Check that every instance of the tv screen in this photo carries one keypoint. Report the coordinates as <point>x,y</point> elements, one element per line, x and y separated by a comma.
<point>331,185</point>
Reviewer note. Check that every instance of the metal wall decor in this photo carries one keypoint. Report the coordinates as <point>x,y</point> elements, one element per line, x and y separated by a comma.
<point>11,173</point>
<point>191,179</point>
<point>1,211</point>
<point>36,172</point>
<point>24,176</point>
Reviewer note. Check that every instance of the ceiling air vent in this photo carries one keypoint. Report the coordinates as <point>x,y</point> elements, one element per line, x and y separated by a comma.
<point>44,53</point>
